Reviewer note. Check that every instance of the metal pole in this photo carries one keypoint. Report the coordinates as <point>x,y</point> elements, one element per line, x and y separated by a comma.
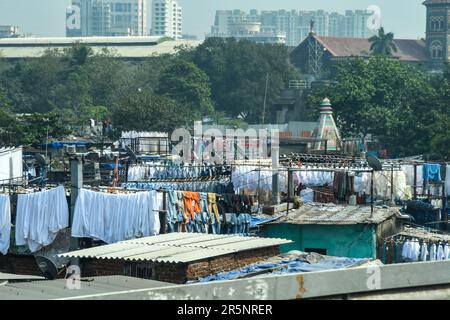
<point>275,177</point>
<point>392,183</point>
<point>371,194</point>
<point>415,181</point>
<point>76,176</point>
<point>265,99</point>
<point>290,190</point>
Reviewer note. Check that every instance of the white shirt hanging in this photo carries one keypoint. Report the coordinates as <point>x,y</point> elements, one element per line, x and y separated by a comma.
<point>433,252</point>
<point>424,252</point>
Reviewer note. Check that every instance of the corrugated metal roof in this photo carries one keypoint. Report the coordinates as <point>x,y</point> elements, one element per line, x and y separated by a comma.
<point>57,289</point>
<point>176,247</point>
<point>9,276</point>
<point>316,213</point>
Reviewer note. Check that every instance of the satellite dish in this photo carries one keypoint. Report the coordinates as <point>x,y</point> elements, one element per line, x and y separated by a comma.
<point>374,163</point>
<point>40,159</point>
<point>47,266</point>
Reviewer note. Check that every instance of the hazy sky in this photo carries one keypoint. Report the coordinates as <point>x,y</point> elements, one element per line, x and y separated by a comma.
<point>406,18</point>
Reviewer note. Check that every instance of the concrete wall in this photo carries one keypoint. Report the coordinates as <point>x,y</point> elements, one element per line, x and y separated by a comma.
<point>353,241</point>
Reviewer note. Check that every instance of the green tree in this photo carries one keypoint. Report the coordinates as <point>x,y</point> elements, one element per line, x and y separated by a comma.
<point>385,98</point>
<point>238,71</point>
<point>37,126</point>
<point>383,43</point>
<point>185,83</point>
<point>10,129</point>
<point>146,112</point>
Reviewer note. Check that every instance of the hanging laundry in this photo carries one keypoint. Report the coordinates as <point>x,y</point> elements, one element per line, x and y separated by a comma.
<point>406,250</point>
<point>214,186</point>
<point>433,252</point>
<point>382,185</point>
<point>447,180</point>
<point>314,178</point>
<point>5,223</point>
<point>116,217</point>
<point>415,250</point>
<point>440,253</point>
<point>40,216</point>
<point>446,252</point>
<point>252,178</point>
<point>424,252</point>
<point>432,172</point>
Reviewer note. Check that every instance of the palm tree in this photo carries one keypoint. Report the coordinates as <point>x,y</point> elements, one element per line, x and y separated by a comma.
<point>383,43</point>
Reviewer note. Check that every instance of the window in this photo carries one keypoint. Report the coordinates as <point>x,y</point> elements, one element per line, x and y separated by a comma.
<point>436,50</point>
<point>437,23</point>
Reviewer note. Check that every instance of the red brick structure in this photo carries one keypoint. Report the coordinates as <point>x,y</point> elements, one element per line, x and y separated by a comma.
<point>178,273</point>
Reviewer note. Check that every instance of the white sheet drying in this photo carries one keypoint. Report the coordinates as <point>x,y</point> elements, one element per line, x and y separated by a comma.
<point>116,217</point>
<point>5,223</point>
<point>40,216</point>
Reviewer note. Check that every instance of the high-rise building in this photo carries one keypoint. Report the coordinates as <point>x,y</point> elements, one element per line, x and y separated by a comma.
<point>87,18</point>
<point>9,32</point>
<point>296,25</point>
<point>167,19</point>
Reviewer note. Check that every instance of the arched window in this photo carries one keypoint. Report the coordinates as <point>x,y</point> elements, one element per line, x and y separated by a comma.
<point>436,50</point>
<point>437,23</point>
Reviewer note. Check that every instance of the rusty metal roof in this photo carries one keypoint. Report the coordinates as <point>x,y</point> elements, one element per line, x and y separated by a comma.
<point>176,247</point>
<point>407,49</point>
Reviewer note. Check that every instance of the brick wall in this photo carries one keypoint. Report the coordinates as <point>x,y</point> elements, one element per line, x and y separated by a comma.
<point>178,273</point>
<point>19,264</point>
<point>98,267</point>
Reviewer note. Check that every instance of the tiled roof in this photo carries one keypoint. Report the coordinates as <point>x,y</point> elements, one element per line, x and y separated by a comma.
<point>407,50</point>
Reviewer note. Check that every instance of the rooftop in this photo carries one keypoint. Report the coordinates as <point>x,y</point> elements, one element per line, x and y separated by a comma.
<point>176,247</point>
<point>407,49</point>
<point>124,47</point>
<point>331,214</point>
<point>424,234</point>
<point>57,289</point>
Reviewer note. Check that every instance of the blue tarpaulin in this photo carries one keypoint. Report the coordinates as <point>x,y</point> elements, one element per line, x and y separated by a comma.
<point>111,166</point>
<point>288,266</point>
<point>61,144</point>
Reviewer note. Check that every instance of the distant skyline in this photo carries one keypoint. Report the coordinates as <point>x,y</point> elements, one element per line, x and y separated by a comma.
<point>406,18</point>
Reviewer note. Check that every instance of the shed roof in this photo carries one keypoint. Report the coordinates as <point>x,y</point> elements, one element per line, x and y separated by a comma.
<point>331,214</point>
<point>176,247</point>
<point>424,234</point>
<point>57,289</point>
<point>123,47</point>
<point>407,49</point>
